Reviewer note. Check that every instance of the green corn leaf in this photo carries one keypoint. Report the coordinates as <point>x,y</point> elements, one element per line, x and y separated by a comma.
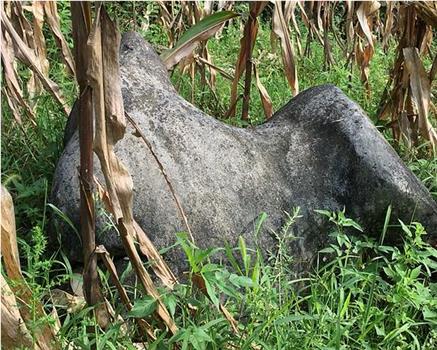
<point>203,30</point>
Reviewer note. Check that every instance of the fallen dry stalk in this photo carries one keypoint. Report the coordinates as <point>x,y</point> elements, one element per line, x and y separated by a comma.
<point>164,174</point>
<point>147,248</point>
<point>264,95</point>
<point>101,251</point>
<point>222,308</point>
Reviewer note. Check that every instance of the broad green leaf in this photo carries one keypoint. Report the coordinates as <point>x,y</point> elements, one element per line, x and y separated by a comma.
<point>209,284</point>
<point>143,307</point>
<point>241,281</point>
<point>429,315</point>
<point>203,30</point>
<point>345,305</point>
<point>323,212</point>
<point>327,250</point>
<point>170,301</point>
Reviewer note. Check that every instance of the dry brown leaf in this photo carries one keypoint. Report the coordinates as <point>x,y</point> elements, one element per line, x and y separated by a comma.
<point>147,248</point>
<point>212,71</point>
<point>38,36</point>
<point>15,95</point>
<point>388,25</point>
<point>427,10</point>
<point>167,21</point>
<point>255,8</point>
<point>29,59</point>
<point>264,95</point>
<point>309,16</point>
<point>420,91</point>
<point>406,98</point>
<point>319,21</point>
<point>239,69</point>
<point>20,22</point>
<point>104,255</point>
<point>9,248</point>
<point>304,15</point>
<point>230,318</point>
<point>280,27</point>
<point>14,332</point>
<point>364,12</point>
<point>157,262</point>
<point>349,23</point>
<point>34,86</point>
<point>44,335</point>
<point>326,24</point>
<point>64,300</point>
<point>289,15</point>
<point>52,17</point>
<point>31,37</point>
<point>12,105</point>
<point>433,70</point>
<point>363,56</point>
<point>425,46</point>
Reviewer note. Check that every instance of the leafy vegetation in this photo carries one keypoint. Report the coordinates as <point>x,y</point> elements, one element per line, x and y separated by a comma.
<point>362,294</point>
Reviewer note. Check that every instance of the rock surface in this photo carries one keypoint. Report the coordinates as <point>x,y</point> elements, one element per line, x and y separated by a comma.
<point>320,151</point>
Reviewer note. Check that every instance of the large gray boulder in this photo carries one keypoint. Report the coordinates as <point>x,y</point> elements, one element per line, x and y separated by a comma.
<point>320,151</point>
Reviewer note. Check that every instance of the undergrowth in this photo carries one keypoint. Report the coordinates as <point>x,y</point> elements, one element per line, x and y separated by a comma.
<point>361,294</point>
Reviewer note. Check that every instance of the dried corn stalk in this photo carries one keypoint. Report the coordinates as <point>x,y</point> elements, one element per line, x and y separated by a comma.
<point>144,326</point>
<point>81,21</point>
<point>147,248</point>
<point>406,98</point>
<point>244,61</point>
<point>104,78</point>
